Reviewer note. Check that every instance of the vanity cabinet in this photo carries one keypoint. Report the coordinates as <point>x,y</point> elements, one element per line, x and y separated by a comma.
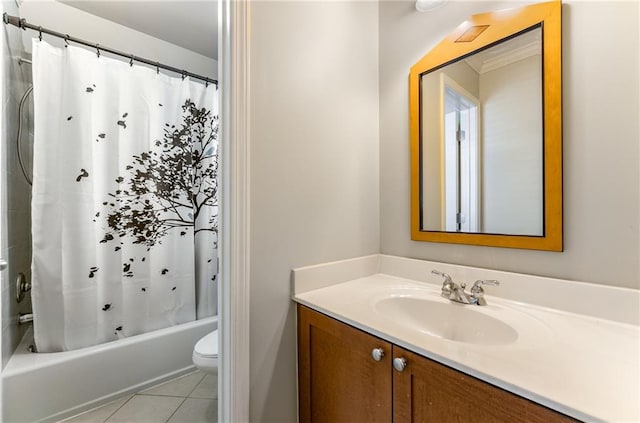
<point>339,380</point>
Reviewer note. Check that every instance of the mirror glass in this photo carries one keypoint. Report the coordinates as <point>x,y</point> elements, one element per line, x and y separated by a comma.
<point>482,140</point>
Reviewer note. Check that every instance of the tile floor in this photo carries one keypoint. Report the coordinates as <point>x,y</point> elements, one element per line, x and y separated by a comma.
<point>192,398</point>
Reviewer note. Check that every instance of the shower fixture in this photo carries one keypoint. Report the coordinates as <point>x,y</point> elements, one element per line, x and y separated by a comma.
<point>22,286</point>
<point>19,137</point>
<point>24,318</point>
<point>22,61</point>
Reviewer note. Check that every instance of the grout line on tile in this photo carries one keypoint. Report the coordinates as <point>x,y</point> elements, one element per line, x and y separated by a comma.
<point>146,391</point>
<point>197,384</point>
<point>176,410</point>
<point>96,408</point>
<point>142,394</point>
<point>116,410</point>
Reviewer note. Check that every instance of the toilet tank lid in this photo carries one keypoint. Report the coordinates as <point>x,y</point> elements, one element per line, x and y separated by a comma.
<point>208,345</point>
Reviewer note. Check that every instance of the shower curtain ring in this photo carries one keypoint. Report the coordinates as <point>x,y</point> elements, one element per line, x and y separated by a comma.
<point>40,33</point>
<point>131,61</point>
<point>158,68</point>
<point>184,74</point>
<point>206,83</point>
<point>98,49</point>
<point>66,40</point>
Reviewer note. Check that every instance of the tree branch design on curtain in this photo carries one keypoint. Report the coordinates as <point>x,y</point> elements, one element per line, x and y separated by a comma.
<point>124,201</point>
<point>168,188</point>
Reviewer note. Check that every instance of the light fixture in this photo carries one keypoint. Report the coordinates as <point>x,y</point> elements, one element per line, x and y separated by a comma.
<point>427,5</point>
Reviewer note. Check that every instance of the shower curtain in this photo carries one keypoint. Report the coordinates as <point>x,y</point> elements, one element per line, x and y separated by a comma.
<point>124,202</point>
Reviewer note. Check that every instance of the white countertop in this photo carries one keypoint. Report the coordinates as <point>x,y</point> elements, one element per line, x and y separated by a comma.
<point>583,366</point>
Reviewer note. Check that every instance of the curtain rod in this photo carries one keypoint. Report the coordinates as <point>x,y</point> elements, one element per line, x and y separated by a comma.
<point>22,23</point>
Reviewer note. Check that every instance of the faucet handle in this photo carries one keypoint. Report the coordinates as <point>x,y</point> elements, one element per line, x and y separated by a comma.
<point>447,285</point>
<point>477,293</point>
<point>480,282</point>
<point>446,277</point>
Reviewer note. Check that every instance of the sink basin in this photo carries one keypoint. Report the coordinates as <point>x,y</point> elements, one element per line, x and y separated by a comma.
<point>448,320</point>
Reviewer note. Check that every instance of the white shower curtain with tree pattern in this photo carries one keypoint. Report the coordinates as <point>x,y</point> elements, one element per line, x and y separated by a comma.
<point>124,204</point>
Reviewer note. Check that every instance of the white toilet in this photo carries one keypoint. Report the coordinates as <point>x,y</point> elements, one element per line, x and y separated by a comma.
<point>205,353</point>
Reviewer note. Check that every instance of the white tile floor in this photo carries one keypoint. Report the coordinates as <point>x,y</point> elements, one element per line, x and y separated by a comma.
<point>192,398</point>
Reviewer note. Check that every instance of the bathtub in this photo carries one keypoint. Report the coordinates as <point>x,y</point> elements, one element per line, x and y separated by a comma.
<point>47,387</point>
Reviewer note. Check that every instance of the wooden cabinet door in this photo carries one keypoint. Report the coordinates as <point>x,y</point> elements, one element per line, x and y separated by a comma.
<point>339,381</point>
<point>426,391</point>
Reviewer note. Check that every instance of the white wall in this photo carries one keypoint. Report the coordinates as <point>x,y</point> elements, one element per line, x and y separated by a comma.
<point>600,125</point>
<point>314,168</point>
<point>69,20</point>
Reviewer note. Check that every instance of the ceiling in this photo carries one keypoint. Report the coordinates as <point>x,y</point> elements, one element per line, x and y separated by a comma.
<point>189,24</point>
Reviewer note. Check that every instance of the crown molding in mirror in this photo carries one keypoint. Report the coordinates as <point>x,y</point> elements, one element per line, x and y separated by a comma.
<point>477,32</point>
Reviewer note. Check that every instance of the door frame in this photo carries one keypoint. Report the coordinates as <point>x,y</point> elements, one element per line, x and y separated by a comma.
<point>475,154</point>
<point>233,298</point>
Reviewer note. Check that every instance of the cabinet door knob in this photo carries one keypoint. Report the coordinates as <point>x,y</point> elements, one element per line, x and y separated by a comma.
<point>399,363</point>
<point>377,354</point>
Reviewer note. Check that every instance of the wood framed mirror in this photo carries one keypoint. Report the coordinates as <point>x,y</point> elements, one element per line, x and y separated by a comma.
<point>486,132</point>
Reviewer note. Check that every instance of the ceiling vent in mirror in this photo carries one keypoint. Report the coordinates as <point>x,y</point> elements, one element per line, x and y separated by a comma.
<point>471,34</point>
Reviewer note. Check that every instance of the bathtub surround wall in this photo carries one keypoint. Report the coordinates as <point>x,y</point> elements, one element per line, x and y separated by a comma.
<point>15,191</point>
<point>314,168</point>
<point>600,127</point>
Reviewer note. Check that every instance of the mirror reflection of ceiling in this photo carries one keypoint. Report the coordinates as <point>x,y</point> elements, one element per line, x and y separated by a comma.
<point>189,24</point>
<point>505,53</point>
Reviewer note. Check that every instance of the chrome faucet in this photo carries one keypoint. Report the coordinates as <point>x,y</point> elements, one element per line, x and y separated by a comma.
<point>477,293</point>
<point>454,292</point>
<point>447,286</point>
